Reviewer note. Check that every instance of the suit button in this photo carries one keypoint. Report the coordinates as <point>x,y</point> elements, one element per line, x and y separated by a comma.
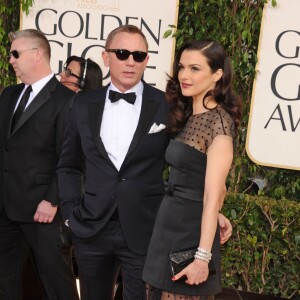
<point>121,179</point>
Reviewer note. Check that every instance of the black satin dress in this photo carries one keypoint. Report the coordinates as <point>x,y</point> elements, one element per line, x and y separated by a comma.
<point>178,223</point>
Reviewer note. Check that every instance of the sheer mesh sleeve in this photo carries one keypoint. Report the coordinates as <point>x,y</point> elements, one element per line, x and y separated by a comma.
<point>201,129</point>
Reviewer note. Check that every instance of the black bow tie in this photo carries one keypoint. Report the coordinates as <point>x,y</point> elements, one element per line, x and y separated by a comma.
<point>116,96</point>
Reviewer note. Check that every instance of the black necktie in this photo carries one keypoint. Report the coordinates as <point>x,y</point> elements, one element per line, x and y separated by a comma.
<point>116,96</point>
<point>21,107</point>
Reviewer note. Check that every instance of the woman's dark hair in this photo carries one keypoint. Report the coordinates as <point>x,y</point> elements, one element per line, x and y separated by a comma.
<point>91,78</point>
<point>181,106</point>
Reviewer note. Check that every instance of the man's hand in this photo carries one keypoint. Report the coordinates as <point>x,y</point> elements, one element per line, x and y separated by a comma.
<point>45,212</point>
<point>225,228</point>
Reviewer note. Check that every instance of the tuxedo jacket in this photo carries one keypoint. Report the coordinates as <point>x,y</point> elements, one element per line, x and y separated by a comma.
<point>29,154</point>
<point>136,190</point>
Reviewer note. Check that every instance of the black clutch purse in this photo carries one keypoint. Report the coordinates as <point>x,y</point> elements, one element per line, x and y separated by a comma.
<point>181,259</point>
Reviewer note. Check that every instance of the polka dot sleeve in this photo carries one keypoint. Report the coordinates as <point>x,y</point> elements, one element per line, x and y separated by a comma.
<point>201,129</point>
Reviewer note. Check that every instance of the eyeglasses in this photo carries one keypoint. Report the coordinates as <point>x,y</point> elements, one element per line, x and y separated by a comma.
<point>122,54</point>
<point>69,73</point>
<point>16,54</point>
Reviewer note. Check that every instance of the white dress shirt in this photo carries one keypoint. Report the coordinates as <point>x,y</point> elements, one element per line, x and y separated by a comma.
<point>36,88</point>
<point>119,122</point>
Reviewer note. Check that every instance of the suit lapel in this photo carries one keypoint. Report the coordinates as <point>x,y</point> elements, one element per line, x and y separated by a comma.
<point>41,98</point>
<point>96,108</point>
<point>148,109</point>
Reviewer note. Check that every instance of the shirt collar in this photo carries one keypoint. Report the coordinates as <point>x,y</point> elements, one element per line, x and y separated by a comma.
<point>138,89</point>
<point>37,86</point>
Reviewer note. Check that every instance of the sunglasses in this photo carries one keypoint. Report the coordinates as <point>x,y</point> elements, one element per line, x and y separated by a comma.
<point>16,54</point>
<point>138,56</point>
<point>69,73</point>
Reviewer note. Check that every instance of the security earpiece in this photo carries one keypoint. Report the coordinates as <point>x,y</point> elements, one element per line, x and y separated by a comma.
<point>82,82</point>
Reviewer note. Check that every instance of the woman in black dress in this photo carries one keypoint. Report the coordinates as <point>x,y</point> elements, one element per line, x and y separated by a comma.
<point>204,116</point>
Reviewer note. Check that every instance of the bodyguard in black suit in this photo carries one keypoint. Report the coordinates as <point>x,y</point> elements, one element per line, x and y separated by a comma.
<point>31,132</point>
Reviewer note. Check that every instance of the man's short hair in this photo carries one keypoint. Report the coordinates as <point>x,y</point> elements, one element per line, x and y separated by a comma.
<point>37,36</point>
<point>125,28</point>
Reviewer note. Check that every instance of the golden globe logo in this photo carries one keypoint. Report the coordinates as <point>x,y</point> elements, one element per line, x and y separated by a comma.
<point>81,27</point>
<point>293,117</point>
<point>273,137</point>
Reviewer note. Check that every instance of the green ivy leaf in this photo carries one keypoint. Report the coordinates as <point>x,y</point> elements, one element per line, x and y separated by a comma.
<point>250,221</point>
<point>233,214</point>
<point>283,231</point>
<point>167,33</point>
<point>274,3</point>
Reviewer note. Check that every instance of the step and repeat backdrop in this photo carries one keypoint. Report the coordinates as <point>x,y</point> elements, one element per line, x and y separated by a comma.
<point>274,124</point>
<point>80,27</point>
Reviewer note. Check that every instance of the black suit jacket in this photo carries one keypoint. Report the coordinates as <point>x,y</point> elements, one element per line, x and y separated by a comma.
<point>29,154</point>
<point>136,189</point>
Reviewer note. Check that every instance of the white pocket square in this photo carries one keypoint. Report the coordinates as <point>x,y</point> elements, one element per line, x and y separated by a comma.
<point>156,128</point>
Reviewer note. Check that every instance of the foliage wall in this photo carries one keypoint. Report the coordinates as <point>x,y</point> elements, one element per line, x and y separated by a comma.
<point>263,254</point>
<point>9,20</point>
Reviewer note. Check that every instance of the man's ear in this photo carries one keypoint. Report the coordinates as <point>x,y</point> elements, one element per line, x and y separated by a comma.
<point>39,54</point>
<point>105,58</point>
<point>146,62</point>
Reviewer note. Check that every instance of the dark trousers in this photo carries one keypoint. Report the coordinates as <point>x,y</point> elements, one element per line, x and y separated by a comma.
<point>46,244</point>
<point>99,259</point>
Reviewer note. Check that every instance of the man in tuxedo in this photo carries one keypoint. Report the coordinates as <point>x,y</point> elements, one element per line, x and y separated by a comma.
<point>115,139</point>
<point>31,131</point>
